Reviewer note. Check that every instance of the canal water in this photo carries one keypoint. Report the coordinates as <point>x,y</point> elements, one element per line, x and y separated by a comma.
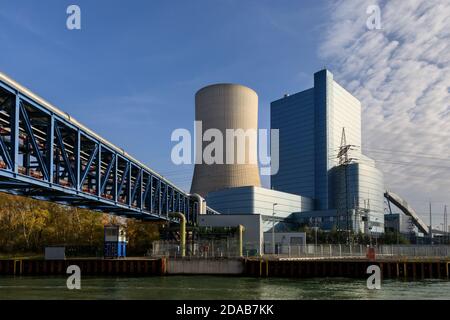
<point>214,287</point>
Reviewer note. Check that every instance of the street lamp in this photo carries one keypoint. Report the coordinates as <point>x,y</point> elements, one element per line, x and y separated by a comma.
<point>316,227</point>
<point>273,228</point>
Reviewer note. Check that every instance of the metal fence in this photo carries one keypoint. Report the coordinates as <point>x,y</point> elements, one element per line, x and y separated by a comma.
<point>414,250</point>
<point>325,250</point>
<point>357,251</point>
<point>230,248</point>
<point>83,251</point>
<point>202,248</point>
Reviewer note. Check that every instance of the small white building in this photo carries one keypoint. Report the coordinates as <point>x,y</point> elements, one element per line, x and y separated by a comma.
<point>259,210</point>
<point>283,242</point>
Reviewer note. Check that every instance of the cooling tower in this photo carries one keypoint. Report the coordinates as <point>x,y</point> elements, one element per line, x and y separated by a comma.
<point>226,106</point>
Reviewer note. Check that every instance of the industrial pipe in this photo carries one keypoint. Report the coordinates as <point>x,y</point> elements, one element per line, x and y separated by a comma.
<point>201,204</point>
<point>241,240</point>
<point>182,231</point>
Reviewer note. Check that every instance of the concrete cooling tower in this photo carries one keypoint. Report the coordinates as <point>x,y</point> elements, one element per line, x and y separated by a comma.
<point>226,106</point>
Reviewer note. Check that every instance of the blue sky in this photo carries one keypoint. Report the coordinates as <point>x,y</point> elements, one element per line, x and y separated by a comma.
<point>131,72</point>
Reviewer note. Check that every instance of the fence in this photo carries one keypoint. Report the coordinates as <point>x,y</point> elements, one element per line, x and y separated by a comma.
<point>83,251</point>
<point>357,251</point>
<point>202,248</point>
<point>414,250</point>
<point>325,250</point>
<point>230,248</point>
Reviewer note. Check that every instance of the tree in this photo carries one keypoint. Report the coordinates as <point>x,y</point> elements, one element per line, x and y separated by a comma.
<point>28,225</point>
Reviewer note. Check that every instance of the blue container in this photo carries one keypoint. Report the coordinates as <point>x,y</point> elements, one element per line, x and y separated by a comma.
<point>115,242</point>
<point>111,250</point>
<point>115,249</point>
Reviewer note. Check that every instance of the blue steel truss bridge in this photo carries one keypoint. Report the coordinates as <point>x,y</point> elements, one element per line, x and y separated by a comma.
<point>47,155</point>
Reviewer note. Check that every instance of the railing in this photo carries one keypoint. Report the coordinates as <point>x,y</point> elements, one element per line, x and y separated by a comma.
<point>230,248</point>
<point>357,251</point>
<point>83,251</point>
<point>198,249</point>
<point>310,250</point>
<point>414,250</point>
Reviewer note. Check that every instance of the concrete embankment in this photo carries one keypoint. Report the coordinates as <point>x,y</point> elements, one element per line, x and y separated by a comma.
<point>296,268</point>
<point>205,266</point>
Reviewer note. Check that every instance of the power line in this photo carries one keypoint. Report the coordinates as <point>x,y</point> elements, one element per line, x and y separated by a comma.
<point>401,163</point>
<point>413,154</point>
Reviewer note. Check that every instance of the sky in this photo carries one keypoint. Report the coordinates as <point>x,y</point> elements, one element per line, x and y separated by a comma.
<point>131,72</point>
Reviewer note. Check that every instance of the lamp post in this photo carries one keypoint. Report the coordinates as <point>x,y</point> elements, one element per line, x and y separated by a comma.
<point>316,227</point>
<point>273,228</point>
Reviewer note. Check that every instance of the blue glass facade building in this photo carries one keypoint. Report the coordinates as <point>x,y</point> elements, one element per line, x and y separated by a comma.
<point>310,124</point>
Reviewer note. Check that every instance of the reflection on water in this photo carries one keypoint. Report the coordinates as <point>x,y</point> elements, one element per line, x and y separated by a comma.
<point>212,287</point>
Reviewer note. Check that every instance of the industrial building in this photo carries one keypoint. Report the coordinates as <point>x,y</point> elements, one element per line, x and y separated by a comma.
<point>223,107</point>
<point>320,157</point>
<point>256,208</point>
<point>396,222</point>
<point>257,200</point>
<point>233,189</point>
<point>323,180</point>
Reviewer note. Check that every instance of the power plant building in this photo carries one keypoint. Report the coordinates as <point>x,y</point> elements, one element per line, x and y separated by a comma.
<point>317,183</point>
<point>227,107</point>
<point>256,200</point>
<point>259,210</point>
<point>312,124</point>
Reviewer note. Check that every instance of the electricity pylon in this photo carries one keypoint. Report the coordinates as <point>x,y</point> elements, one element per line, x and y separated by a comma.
<point>344,160</point>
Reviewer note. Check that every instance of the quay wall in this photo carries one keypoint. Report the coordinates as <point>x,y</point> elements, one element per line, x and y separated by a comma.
<point>205,266</point>
<point>141,267</point>
<point>304,268</point>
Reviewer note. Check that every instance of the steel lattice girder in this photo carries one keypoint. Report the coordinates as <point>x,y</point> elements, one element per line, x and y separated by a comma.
<point>35,143</point>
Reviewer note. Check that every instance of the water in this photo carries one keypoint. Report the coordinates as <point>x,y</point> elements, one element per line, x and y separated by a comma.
<point>215,287</point>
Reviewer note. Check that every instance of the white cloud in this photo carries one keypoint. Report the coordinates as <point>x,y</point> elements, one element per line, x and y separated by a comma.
<point>401,74</point>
